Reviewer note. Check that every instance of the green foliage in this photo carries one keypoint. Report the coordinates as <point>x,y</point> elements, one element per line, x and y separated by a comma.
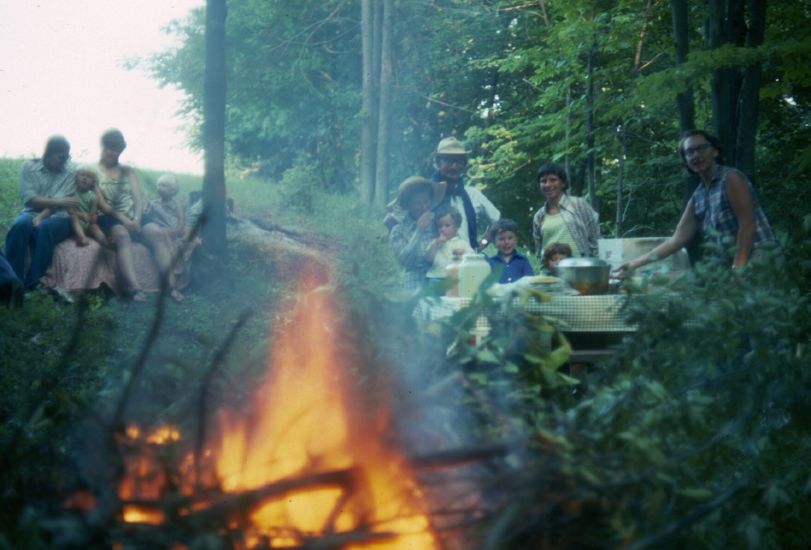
<point>512,78</point>
<point>9,192</point>
<point>694,434</point>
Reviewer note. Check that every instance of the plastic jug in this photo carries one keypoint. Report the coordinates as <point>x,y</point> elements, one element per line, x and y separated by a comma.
<point>452,273</point>
<point>473,270</point>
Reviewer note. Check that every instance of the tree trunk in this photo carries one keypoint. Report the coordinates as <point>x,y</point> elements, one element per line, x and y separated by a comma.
<point>368,108</point>
<point>590,160</point>
<point>724,28</point>
<point>686,106</point>
<point>382,171</point>
<point>750,92</point>
<point>214,130</point>
<point>568,137</point>
<point>684,100</point>
<point>621,179</point>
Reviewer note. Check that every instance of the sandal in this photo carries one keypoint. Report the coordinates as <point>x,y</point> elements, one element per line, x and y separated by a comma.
<point>175,295</point>
<point>137,295</point>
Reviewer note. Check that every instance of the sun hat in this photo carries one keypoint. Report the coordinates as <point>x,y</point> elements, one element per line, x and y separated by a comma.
<point>450,146</point>
<point>413,184</point>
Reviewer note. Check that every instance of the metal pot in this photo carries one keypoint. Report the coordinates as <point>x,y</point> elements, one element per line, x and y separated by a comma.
<point>586,275</point>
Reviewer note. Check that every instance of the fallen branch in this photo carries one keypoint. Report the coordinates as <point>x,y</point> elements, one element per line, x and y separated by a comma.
<point>458,457</point>
<point>250,499</point>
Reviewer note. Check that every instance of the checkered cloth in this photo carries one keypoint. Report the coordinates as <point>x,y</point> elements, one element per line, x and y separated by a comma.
<point>600,313</point>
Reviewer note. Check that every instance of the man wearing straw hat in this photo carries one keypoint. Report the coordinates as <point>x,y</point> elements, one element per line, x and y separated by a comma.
<point>451,162</point>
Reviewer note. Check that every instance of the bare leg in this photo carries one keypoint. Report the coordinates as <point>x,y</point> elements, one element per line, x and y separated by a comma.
<point>158,240</point>
<point>95,231</point>
<point>78,231</point>
<point>126,264</point>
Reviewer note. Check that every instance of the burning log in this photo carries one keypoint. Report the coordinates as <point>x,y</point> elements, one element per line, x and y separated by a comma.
<point>247,501</point>
<point>309,467</point>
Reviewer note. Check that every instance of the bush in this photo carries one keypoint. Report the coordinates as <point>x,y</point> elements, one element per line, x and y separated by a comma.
<point>694,434</point>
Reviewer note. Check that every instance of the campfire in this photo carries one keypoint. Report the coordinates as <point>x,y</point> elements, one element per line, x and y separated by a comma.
<point>308,462</point>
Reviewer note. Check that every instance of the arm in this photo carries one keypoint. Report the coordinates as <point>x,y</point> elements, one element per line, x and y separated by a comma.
<point>408,248</point>
<point>181,221</point>
<point>485,209</point>
<point>43,214</point>
<point>537,234</point>
<point>33,196</point>
<point>688,225</point>
<point>592,226</point>
<point>41,203</point>
<point>487,238</point>
<point>743,205</point>
<point>137,194</point>
<point>433,248</point>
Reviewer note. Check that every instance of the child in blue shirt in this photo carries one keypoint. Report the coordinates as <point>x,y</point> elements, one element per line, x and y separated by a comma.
<point>514,264</point>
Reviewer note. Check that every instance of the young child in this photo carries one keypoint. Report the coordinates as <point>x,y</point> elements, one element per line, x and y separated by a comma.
<point>554,253</point>
<point>165,210</point>
<point>448,244</point>
<point>83,218</point>
<point>514,264</point>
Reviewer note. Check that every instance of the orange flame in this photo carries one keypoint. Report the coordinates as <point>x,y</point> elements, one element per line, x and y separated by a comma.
<point>144,477</point>
<point>309,421</point>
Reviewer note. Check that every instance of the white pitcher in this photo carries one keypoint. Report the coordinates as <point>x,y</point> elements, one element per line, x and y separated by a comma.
<point>473,270</point>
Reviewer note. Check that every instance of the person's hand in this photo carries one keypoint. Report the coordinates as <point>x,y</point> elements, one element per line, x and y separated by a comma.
<point>425,221</point>
<point>132,226</point>
<point>84,216</point>
<point>458,251</point>
<point>624,270</point>
<point>35,221</point>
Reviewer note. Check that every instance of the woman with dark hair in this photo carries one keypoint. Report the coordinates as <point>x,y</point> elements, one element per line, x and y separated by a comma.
<point>124,205</point>
<point>724,205</point>
<point>563,218</point>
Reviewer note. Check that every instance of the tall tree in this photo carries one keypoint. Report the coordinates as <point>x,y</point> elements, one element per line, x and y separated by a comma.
<point>368,151</point>
<point>214,129</point>
<point>384,114</point>
<point>684,100</point>
<point>735,90</point>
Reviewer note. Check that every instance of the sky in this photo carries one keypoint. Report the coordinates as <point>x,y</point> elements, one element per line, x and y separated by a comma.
<point>62,72</point>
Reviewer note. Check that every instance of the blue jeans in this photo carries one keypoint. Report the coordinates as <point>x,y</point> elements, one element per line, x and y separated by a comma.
<point>49,233</point>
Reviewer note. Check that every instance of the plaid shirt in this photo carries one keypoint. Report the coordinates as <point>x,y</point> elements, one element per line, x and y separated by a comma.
<point>581,220</point>
<point>711,206</point>
<point>409,244</point>
<point>38,181</point>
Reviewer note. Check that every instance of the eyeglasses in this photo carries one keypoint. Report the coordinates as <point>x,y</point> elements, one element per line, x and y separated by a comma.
<point>454,160</point>
<point>690,151</point>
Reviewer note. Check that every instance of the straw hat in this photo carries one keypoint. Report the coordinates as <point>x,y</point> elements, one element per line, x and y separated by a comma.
<point>450,146</point>
<point>414,184</point>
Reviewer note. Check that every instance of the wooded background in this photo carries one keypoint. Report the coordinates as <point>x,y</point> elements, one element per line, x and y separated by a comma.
<point>357,94</point>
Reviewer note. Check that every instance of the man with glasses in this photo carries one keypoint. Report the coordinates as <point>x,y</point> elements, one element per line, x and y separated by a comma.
<point>451,162</point>
<point>44,183</point>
